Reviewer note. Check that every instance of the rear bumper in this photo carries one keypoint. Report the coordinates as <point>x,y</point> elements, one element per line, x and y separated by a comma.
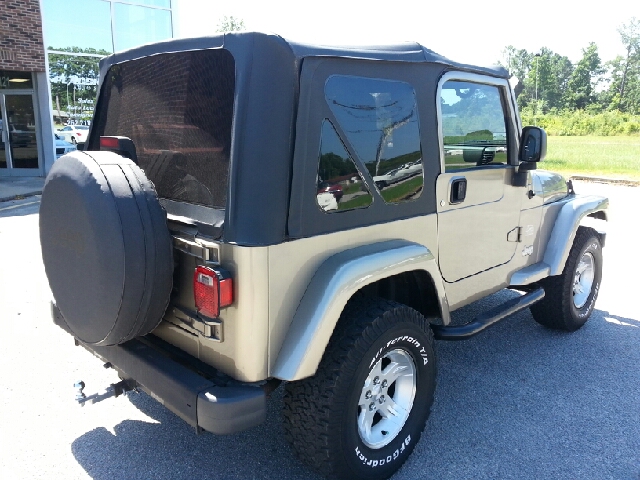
<point>197,400</point>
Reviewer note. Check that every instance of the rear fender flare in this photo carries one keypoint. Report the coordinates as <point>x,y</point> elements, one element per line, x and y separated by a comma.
<point>334,283</point>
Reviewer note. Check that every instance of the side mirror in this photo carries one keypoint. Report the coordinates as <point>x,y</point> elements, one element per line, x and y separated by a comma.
<point>80,146</point>
<point>533,144</point>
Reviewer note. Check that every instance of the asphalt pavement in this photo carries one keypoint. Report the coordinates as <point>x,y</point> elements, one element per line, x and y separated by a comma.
<point>516,402</point>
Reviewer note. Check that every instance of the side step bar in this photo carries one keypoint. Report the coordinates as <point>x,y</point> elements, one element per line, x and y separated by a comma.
<point>486,319</point>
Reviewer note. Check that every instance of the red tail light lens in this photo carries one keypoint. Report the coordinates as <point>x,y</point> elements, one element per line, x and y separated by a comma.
<point>109,142</point>
<point>213,290</point>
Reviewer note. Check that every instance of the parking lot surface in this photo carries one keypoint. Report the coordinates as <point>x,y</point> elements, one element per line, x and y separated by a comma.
<point>517,401</point>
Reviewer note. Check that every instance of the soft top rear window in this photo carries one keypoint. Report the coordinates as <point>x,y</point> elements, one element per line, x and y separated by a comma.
<point>177,108</point>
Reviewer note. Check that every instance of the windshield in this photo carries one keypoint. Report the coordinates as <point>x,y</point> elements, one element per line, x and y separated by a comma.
<point>177,108</point>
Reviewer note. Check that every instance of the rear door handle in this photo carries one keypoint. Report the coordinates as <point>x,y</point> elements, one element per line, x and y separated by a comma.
<point>458,190</point>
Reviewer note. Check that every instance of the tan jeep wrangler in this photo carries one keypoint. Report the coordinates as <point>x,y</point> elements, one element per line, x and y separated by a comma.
<point>249,211</point>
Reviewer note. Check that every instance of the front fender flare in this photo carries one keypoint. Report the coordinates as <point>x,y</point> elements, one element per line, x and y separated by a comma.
<point>333,284</point>
<point>565,227</point>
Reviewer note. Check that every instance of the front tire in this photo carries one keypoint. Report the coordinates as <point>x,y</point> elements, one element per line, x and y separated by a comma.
<point>570,297</point>
<point>363,412</point>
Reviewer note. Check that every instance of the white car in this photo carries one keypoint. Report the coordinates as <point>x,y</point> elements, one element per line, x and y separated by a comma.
<point>403,172</point>
<point>327,201</point>
<point>63,147</point>
<point>74,133</point>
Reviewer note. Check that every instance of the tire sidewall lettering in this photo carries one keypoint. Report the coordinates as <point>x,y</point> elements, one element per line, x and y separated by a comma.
<point>403,338</point>
<point>379,462</point>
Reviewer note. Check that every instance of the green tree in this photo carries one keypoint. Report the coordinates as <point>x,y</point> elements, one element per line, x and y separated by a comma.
<point>518,63</point>
<point>624,87</point>
<point>546,81</point>
<point>230,24</point>
<point>580,91</point>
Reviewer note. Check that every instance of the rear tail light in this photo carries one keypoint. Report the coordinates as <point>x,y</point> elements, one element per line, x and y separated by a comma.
<point>213,290</point>
<point>111,143</point>
<point>121,145</point>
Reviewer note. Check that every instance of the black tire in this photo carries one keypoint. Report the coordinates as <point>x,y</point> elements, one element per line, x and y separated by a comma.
<point>321,412</point>
<point>558,310</point>
<point>106,247</point>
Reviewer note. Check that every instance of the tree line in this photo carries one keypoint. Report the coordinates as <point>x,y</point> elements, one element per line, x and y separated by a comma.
<point>550,83</point>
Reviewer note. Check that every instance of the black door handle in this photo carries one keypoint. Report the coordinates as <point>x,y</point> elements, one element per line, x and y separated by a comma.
<point>458,190</point>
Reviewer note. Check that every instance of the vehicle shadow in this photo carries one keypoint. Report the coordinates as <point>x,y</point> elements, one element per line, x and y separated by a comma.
<point>170,449</point>
<point>516,401</point>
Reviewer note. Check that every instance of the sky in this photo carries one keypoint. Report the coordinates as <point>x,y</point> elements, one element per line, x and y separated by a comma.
<point>466,31</point>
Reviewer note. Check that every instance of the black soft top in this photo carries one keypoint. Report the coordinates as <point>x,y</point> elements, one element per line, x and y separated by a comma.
<point>243,45</point>
<point>267,85</point>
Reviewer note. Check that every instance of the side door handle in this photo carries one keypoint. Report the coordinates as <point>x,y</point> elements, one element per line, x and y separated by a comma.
<point>458,190</point>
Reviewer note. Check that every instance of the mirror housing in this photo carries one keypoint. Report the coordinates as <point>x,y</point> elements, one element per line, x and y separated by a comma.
<point>533,144</point>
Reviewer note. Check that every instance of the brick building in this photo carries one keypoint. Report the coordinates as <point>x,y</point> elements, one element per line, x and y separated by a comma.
<point>24,101</point>
<point>49,55</point>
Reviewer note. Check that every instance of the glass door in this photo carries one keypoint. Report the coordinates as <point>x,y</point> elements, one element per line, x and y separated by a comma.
<point>19,147</point>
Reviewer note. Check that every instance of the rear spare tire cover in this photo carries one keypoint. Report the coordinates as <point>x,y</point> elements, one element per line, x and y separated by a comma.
<point>106,247</point>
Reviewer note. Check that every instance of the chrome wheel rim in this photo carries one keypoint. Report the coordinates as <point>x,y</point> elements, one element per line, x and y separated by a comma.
<point>386,399</point>
<point>583,280</point>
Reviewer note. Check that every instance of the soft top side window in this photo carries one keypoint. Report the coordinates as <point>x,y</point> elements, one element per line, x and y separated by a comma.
<point>473,122</point>
<point>379,119</point>
<point>340,184</point>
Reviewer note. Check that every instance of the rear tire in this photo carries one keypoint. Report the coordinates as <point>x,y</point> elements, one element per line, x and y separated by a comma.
<point>570,297</point>
<point>363,412</point>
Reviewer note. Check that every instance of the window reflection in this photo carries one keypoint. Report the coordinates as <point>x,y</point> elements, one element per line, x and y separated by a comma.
<point>339,184</point>
<point>380,120</point>
<point>74,81</point>
<point>135,25</point>
<point>75,46</point>
<point>473,125</point>
<point>66,24</point>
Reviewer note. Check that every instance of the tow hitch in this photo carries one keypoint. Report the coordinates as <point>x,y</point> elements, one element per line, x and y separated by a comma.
<point>114,390</point>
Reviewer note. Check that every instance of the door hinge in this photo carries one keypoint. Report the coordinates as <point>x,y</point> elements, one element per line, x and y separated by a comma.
<point>197,247</point>
<point>211,329</point>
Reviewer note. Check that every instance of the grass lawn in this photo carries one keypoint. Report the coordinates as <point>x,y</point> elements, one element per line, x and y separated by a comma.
<point>400,191</point>
<point>615,157</point>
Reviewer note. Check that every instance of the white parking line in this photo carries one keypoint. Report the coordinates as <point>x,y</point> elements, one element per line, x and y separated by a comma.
<point>17,206</point>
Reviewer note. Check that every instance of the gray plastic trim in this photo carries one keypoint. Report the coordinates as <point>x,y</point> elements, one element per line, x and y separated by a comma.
<point>334,283</point>
<point>564,230</point>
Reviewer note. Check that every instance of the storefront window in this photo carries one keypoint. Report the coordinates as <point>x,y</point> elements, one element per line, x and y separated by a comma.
<point>135,25</point>
<point>81,32</point>
<point>77,24</point>
<point>153,3</point>
<point>74,82</point>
